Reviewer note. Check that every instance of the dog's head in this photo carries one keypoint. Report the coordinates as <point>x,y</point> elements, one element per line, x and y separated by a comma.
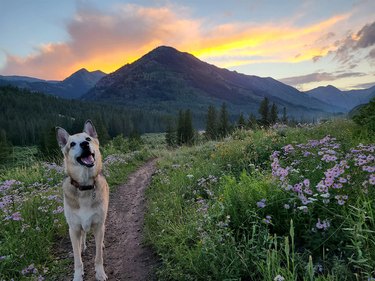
<point>81,151</point>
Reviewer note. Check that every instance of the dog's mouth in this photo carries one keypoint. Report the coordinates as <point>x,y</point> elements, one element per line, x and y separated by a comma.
<point>87,159</point>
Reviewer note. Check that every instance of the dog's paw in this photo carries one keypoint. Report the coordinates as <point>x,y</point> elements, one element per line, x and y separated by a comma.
<point>100,274</point>
<point>78,276</point>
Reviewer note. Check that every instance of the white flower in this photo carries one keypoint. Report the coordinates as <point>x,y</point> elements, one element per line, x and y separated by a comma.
<point>279,278</point>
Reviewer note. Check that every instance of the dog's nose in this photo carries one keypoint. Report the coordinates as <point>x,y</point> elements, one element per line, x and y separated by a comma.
<point>84,144</point>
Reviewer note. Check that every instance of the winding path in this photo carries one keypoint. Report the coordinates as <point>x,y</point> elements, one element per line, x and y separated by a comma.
<point>125,255</point>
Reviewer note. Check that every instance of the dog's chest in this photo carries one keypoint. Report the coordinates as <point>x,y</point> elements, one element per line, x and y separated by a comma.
<point>88,213</point>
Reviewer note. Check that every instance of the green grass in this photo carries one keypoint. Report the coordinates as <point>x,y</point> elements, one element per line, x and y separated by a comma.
<point>205,223</point>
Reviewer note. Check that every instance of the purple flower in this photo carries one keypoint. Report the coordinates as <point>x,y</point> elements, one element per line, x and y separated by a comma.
<point>322,225</point>
<point>267,219</point>
<point>288,148</point>
<point>16,216</point>
<point>59,210</point>
<point>261,203</point>
<point>372,179</point>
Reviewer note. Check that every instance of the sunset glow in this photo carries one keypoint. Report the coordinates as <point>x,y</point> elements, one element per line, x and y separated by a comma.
<point>98,38</point>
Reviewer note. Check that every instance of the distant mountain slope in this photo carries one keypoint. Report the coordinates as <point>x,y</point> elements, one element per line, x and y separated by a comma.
<point>72,87</point>
<point>345,99</point>
<point>166,79</point>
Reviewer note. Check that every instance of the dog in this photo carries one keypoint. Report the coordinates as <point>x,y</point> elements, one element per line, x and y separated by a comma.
<point>86,194</point>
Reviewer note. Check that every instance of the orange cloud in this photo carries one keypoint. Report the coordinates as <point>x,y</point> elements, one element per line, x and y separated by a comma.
<point>107,41</point>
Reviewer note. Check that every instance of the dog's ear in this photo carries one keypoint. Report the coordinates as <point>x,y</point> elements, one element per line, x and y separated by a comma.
<point>90,129</point>
<point>61,136</point>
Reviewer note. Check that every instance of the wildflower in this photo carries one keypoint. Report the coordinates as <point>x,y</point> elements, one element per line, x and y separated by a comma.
<point>59,210</point>
<point>16,216</point>
<point>343,180</point>
<point>29,270</point>
<point>279,278</point>
<point>267,219</point>
<point>261,203</point>
<point>288,148</point>
<point>286,206</point>
<point>189,176</point>
<point>322,225</point>
<point>306,182</point>
<point>372,179</point>
<point>341,199</point>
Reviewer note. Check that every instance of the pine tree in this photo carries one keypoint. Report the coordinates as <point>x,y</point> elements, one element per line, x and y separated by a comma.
<point>5,147</point>
<point>264,112</point>
<point>284,119</point>
<point>223,121</point>
<point>170,136</point>
<point>273,114</point>
<point>188,127</point>
<point>48,145</point>
<point>252,123</point>
<point>180,128</point>
<point>241,123</point>
<point>211,123</point>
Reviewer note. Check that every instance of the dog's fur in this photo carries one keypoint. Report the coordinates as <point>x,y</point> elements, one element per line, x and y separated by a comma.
<point>84,209</point>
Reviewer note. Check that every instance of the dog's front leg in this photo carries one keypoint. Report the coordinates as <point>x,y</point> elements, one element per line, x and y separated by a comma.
<point>99,240</point>
<point>75,237</point>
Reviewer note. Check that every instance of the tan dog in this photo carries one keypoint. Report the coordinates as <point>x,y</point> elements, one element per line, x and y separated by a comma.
<point>85,194</point>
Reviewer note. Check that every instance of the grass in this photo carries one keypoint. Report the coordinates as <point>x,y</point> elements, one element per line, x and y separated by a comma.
<point>31,208</point>
<point>218,211</point>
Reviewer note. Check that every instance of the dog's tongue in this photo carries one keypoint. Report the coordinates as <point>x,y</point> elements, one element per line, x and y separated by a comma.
<point>89,160</point>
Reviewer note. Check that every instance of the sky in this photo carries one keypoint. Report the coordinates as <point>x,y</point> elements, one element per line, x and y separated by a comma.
<point>303,43</point>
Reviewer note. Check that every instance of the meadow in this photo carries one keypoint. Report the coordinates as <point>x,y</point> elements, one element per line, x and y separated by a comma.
<point>269,204</point>
<point>276,204</point>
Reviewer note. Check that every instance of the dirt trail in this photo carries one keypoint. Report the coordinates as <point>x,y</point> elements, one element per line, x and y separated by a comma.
<point>125,255</point>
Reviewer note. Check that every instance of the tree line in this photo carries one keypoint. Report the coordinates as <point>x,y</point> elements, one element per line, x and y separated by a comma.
<point>28,118</point>
<point>218,123</point>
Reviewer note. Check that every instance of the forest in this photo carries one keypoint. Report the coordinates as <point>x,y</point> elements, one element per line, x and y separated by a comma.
<point>27,118</point>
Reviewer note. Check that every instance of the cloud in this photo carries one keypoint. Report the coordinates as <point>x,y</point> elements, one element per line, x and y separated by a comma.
<point>108,40</point>
<point>319,77</point>
<point>348,48</point>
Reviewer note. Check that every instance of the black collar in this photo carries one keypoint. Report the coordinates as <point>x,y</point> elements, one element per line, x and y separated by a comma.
<point>81,187</point>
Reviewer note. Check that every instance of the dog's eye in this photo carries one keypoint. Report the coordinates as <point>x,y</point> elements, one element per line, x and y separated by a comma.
<point>72,144</point>
<point>88,139</point>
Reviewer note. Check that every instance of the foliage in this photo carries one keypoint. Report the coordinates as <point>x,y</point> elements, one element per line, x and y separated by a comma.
<point>211,123</point>
<point>26,117</point>
<point>264,112</point>
<point>224,126</point>
<point>185,131</point>
<point>254,207</point>
<point>366,116</point>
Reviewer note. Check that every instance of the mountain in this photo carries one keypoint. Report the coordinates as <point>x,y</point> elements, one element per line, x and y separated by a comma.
<point>72,87</point>
<point>168,80</point>
<point>345,99</point>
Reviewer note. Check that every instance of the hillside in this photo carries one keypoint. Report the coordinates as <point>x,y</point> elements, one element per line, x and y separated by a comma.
<point>25,117</point>
<point>72,87</point>
<point>344,99</point>
<point>167,80</point>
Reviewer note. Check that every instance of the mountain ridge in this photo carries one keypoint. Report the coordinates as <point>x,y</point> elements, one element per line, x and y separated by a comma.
<point>72,87</point>
<point>158,77</point>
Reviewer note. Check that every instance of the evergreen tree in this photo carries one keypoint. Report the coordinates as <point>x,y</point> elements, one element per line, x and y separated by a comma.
<point>273,114</point>
<point>188,128</point>
<point>170,136</point>
<point>264,112</point>
<point>5,147</point>
<point>252,123</point>
<point>366,116</point>
<point>224,125</point>
<point>284,119</point>
<point>211,123</point>
<point>48,145</point>
<point>180,128</point>
<point>241,123</point>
